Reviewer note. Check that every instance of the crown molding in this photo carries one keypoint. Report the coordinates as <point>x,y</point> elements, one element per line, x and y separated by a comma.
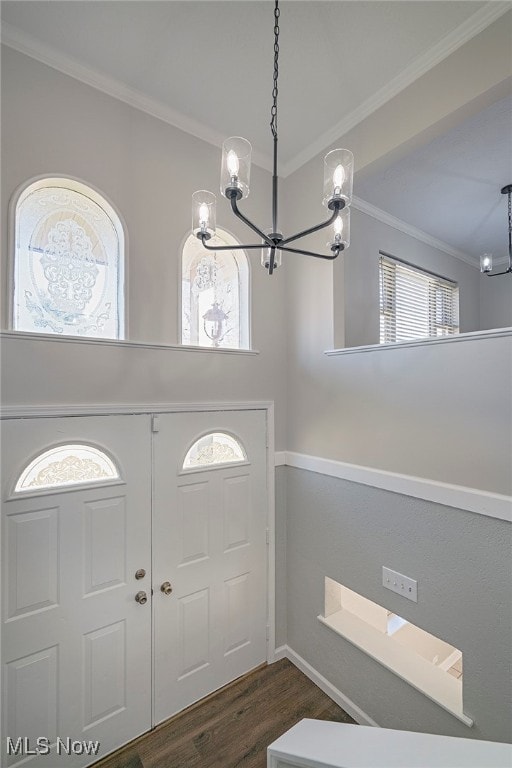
<point>476,23</point>
<point>408,229</point>
<point>21,41</point>
<point>27,44</point>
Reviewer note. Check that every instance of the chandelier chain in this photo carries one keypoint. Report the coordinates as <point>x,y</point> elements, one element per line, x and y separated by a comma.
<point>235,186</point>
<point>273,111</point>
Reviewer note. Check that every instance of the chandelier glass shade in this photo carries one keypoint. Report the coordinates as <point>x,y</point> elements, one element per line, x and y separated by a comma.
<point>486,258</point>
<point>235,185</point>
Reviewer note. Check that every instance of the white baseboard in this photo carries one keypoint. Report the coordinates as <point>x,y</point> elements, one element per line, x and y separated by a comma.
<point>280,653</point>
<point>284,651</point>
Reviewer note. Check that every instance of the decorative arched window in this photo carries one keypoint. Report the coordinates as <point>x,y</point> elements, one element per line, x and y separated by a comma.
<point>68,261</point>
<point>66,465</point>
<point>214,294</point>
<point>213,449</point>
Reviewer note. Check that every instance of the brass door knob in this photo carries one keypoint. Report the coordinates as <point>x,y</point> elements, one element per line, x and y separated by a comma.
<point>141,598</point>
<point>166,588</point>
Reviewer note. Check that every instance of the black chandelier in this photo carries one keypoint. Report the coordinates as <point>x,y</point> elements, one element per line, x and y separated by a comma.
<point>486,258</point>
<point>234,185</point>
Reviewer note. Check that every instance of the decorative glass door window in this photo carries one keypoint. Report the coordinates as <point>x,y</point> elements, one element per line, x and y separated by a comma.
<point>214,295</point>
<point>66,465</point>
<point>68,261</point>
<point>213,449</point>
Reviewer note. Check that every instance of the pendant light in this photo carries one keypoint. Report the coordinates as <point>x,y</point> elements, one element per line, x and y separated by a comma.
<point>234,186</point>
<point>486,258</point>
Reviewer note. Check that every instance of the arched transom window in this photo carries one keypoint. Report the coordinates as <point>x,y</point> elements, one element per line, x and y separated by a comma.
<point>68,261</point>
<point>214,295</point>
<point>66,465</point>
<point>213,449</point>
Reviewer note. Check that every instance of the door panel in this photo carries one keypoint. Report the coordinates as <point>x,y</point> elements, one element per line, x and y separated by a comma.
<point>76,646</point>
<point>210,544</point>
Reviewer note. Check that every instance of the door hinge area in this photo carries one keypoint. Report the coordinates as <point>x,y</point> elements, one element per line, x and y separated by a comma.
<point>268,536</point>
<point>155,427</point>
<point>268,632</point>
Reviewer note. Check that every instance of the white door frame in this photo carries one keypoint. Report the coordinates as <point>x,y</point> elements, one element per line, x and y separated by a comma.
<point>108,409</point>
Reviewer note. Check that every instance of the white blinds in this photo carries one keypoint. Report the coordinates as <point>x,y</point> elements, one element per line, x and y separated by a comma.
<point>415,304</point>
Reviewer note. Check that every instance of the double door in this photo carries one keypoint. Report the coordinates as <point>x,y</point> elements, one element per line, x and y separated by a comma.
<point>134,581</point>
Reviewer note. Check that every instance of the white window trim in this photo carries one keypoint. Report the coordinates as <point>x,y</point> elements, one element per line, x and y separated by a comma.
<point>43,180</point>
<point>120,343</point>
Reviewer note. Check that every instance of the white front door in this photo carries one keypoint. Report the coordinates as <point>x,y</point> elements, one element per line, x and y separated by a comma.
<point>76,645</point>
<point>210,522</point>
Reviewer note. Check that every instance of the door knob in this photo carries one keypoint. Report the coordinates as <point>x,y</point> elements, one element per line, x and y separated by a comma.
<point>166,588</point>
<point>140,573</point>
<point>141,598</point>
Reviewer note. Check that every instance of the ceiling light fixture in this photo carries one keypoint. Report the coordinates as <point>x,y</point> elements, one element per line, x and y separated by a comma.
<point>486,258</point>
<point>234,185</point>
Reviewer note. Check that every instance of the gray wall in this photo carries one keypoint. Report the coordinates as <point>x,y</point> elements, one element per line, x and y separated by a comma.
<point>356,278</point>
<point>53,124</point>
<point>419,411</point>
<point>281,578</point>
<point>462,563</point>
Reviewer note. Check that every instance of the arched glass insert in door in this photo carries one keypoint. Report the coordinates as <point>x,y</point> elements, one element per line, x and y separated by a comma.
<point>68,261</point>
<point>214,449</point>
<point>66,465</point>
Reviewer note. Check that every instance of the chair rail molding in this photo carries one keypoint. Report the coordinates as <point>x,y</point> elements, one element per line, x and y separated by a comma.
<point>473,500</point>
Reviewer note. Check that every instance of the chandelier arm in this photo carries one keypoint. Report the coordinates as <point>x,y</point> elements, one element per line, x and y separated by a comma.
<point>237,212</point>
<point>329,257</point>
<point>509,192</point>
<point>311,230</point>
<point>506,190</point>
<point>228,247</point>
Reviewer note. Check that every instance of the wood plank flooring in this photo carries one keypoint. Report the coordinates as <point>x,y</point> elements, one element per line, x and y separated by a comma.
<point>233,727</point>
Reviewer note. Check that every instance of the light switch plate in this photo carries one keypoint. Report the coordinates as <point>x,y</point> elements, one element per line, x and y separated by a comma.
<point>402,585</point>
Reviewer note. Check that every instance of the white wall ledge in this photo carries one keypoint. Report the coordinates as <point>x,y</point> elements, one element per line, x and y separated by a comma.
<point>324,744</point>
<point>470,499</point>
<point>121,343</point>
<point>495,333</point>
<point>433,682</point>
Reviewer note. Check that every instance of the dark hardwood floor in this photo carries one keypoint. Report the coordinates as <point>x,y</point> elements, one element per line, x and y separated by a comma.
<point>234,726</point>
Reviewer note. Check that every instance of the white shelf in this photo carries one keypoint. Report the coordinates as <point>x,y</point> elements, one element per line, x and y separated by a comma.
<point>318,744</point>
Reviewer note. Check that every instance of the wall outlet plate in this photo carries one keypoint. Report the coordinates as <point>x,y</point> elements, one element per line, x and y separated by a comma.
<point>402,585</point>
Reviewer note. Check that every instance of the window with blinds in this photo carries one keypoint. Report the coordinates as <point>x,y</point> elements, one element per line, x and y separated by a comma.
<point>415,304</point>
